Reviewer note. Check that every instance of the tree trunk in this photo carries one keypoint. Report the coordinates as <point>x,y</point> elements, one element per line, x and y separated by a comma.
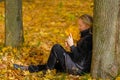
<point>104,63</point>
<point>118,39</point>
<point>13,23</point>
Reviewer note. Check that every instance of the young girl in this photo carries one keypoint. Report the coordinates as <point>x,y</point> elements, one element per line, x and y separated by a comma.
<point>78,61</point>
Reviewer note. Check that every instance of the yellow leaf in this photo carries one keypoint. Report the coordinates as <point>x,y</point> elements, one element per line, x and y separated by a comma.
<point>118,78</point>
<point>11,77</point>
<point>62,35</point>
<point>26,73</point>
<point>14,50</point>
<point>74,31</point>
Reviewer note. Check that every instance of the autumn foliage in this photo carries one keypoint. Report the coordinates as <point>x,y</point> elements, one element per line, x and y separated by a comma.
<point>46,22</point>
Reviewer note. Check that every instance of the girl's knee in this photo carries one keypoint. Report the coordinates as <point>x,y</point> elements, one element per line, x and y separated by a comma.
<point>57,46</point>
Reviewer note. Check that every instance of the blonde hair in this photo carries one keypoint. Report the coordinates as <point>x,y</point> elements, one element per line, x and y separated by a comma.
<point>87,19</point>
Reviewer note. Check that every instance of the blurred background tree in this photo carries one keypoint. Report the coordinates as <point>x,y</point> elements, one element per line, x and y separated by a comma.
<point>13,23</point>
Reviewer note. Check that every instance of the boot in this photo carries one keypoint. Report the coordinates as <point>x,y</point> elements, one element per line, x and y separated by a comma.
<point>16,66</point>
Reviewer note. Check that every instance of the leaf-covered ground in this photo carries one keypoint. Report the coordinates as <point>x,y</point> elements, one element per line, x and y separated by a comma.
<point>46,22</point>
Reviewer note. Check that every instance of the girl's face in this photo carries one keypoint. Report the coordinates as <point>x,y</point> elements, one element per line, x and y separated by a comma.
<point>82,26</point>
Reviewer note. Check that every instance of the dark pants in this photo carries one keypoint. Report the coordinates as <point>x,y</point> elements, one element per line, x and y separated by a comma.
<point>57,60</point>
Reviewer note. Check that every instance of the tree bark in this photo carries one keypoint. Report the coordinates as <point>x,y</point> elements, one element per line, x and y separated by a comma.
<point>118,39</point>
<point>13,23</point>
<point>104,63</point>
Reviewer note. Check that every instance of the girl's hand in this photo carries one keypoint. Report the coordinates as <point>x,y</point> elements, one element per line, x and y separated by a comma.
<point>70,40</point>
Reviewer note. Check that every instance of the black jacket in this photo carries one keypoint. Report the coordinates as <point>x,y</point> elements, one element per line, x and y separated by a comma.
<point>82,53</point>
